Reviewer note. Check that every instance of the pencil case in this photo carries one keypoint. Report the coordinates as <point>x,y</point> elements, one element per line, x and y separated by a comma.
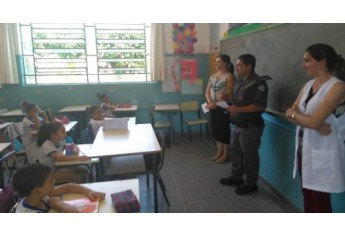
<point>125,202</point>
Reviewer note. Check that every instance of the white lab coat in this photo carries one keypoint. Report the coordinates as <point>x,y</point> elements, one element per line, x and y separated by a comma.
<point>323,157</point>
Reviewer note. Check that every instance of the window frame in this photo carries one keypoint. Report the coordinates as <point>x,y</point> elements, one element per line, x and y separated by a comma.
<point>98,75</point>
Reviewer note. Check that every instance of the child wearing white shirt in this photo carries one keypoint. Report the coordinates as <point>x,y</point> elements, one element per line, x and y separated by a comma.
<point>107,106</point>
<point>32,121</point>
<point>96,119</point>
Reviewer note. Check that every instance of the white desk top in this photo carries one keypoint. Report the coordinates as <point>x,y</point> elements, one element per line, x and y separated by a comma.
<point>138,139</point>
<point>167,107</point>
<point>106,206</point>
<point>5,125</point>
<point>16,112</point>
<point>77,108</point>
<point>70,125</point>
<point>3,146</point>
<point>132,108</point>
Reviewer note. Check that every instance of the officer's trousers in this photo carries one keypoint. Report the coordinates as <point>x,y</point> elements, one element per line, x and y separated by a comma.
<point>244,153</point>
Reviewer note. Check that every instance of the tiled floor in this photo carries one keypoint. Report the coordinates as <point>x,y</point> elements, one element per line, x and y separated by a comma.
<point>192,182</point>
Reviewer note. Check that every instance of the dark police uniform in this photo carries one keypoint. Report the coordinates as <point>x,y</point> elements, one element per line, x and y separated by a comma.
<point>248,128</point>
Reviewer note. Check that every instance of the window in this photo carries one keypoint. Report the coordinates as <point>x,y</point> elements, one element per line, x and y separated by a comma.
<point>85,53</point>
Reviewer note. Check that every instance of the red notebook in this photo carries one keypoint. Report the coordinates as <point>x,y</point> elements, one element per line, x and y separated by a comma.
<point>124,105</point>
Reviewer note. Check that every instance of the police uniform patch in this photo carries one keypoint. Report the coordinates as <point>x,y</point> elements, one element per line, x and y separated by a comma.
<point>262,88</point>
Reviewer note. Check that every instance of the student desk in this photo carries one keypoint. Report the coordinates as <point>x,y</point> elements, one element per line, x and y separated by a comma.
<point>15,114</point>
<point>106,206</point>
<point>5,125</point>
<point>4,148</point>
<point>70,125</point>
<point>138,139</point>
<point>126,110</point>
<point>71,109</point>
<point>170,108</point>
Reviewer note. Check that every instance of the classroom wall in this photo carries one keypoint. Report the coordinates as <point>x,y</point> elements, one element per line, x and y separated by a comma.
<point>144,94</point>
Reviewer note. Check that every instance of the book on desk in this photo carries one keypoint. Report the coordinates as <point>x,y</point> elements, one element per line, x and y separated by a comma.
<point>84,205</point>
<point>124,105</point>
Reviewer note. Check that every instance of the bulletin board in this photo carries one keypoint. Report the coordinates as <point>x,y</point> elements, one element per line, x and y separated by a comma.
<point>172,81</point>
<point>192,86</point>
<point>182,75</point>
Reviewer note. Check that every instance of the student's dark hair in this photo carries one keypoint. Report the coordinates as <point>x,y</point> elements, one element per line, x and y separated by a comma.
<point>248,59</point>
<point>27,106</point>
<point>335,63</point>
<point>91,109</point>
<point>46,129</point>
<point>28,177</point>
<point>101,96</point>
<point>226,59</point>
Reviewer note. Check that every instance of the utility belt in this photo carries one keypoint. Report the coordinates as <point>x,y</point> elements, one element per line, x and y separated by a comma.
<point>248,124</point>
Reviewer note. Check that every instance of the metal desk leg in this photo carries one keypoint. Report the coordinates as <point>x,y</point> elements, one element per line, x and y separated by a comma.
<point>97,170</point>
<point>155,197</point>
<point>101,169</point>
<point>171,128</point>
<point>2,179</point>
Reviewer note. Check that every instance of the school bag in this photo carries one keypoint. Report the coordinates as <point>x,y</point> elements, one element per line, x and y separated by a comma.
<point>8,199</point>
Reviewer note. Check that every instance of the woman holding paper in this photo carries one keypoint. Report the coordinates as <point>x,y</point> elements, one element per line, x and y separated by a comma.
<point>219,90</point>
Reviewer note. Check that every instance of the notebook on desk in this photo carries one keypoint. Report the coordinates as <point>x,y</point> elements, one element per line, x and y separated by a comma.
<point>123,105</point>
<point>84,205</point>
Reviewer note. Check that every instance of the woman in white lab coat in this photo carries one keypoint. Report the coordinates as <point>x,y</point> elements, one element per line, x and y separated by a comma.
<point>320,134</point>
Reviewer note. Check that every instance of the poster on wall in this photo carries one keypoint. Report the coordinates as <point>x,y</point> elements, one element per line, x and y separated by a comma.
<point>192,86</point>
<point>172,77</point>
<point>184,37</point>
<point>189,68</point>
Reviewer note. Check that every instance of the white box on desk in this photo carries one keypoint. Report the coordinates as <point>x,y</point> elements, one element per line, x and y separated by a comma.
<point>115,124</point>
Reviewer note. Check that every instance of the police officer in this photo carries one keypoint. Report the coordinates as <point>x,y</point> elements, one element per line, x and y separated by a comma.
<point>250,100</point>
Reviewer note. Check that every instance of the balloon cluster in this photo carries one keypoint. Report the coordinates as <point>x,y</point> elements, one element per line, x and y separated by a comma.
<point>184,37</point>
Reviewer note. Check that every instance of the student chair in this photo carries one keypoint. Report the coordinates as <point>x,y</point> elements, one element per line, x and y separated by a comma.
<point>190,115</point>
<point>14,133</point>
<point>129,166</point>
<point>87,135</point>
<point>158,125</point>
<point>50,114</point>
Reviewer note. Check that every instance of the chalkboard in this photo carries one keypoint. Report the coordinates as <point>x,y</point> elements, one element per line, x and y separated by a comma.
<point>279,54</point>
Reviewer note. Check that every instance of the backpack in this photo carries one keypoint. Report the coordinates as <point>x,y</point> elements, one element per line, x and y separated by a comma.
<point>8,199</point>
<point>85,137</point>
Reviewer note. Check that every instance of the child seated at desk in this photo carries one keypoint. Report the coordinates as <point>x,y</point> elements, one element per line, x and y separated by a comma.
<point>107,107</point>
<point>96,119</point>
<point>35,183</point>
<point>32,121</point>
<point>51,137</point>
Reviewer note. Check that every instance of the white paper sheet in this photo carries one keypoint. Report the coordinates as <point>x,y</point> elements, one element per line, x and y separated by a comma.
<point>222,104</point>
<point>204,108</point>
